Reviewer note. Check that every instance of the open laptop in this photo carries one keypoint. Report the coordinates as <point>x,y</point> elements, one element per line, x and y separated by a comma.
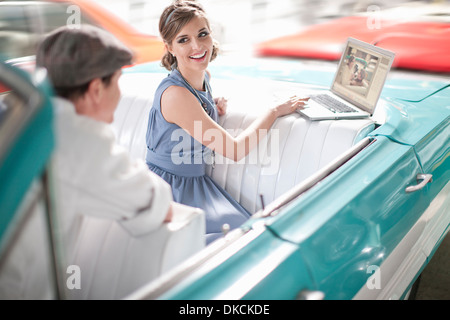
<point>356,86</point>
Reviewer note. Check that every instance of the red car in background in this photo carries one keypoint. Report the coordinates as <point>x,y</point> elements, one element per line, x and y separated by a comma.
<point>23,23</point>
<point>419,35</point>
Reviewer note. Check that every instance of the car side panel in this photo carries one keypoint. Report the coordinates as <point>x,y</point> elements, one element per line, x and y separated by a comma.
<point>433,152</point>
<point>346,232</point>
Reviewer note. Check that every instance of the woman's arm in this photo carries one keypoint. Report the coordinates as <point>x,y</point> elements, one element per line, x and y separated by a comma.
<point>180,106</point>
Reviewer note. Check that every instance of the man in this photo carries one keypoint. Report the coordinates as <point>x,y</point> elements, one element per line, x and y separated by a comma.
<point>84,67</point>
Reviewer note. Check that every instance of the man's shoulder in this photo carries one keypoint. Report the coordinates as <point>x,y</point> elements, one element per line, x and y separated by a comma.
<point>78,131</point>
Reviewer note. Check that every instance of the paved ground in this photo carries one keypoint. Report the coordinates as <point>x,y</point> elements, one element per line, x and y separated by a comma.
<point>434,283</point>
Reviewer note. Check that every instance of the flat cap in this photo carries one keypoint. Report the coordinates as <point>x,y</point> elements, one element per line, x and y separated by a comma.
<point>75,56</point>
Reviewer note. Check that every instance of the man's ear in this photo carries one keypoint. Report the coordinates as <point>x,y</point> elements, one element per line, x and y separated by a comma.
<point>95,90</point>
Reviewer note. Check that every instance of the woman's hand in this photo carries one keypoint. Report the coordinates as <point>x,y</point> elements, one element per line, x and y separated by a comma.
<point>221,104</point>
<point>169,214</point>
<point>290,106</point>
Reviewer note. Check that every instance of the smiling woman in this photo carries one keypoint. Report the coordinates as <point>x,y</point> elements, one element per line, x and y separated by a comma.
<point>173,19</point>
<point>184,100</point>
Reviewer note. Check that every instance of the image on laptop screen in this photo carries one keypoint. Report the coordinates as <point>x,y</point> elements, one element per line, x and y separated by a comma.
<point>362,72</point>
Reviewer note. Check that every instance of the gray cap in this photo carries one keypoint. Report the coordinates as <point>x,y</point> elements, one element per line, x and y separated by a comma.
<point>75,56</point>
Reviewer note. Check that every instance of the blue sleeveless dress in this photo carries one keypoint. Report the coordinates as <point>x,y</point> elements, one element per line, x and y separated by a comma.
<point>181,161</point>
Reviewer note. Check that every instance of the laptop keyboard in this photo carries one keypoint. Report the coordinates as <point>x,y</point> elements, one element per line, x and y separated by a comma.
<point>332,104</point>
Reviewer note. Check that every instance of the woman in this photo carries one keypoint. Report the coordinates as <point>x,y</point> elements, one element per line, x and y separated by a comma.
<point>184,110</point>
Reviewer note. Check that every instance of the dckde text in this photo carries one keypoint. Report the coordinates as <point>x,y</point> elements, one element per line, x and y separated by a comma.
<point>226,309</point>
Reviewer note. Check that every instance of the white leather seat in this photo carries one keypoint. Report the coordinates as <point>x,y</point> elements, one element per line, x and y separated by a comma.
<point>111,263</point>
<point>114,264</point>
<point>294,149</point>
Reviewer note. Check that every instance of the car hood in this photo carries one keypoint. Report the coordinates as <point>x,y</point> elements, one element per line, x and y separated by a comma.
<point>414,89</point>
<point>408,121</point>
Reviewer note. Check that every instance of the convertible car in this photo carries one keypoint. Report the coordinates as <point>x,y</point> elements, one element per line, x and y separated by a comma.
<point>342,209</point>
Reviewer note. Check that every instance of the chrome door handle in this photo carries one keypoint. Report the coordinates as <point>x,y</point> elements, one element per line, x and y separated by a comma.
<point>310,295</point>
<point>424,178</point>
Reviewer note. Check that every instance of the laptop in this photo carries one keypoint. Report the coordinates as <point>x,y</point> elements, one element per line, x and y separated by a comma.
<point>356,86</point>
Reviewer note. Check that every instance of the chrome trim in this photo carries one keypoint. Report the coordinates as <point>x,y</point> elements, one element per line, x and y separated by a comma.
<point>306,294</point>
<point>424,178</point>
<point>55,239</point>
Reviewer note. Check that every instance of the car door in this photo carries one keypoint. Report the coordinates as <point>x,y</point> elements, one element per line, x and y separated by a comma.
<point>428,133</point>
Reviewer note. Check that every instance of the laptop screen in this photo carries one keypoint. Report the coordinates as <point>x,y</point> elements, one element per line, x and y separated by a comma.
<point>361,74</point>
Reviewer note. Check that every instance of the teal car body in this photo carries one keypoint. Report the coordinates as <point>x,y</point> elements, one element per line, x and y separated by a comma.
<point>333,234</point>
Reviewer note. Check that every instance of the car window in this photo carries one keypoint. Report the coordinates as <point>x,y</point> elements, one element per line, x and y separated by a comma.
<point>16,38</point>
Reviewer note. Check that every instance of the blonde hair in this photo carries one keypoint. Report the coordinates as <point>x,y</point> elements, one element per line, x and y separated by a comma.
<point>173,19</point>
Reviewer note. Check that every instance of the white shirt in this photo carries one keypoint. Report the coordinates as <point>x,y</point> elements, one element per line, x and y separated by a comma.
<point>96,177</point>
